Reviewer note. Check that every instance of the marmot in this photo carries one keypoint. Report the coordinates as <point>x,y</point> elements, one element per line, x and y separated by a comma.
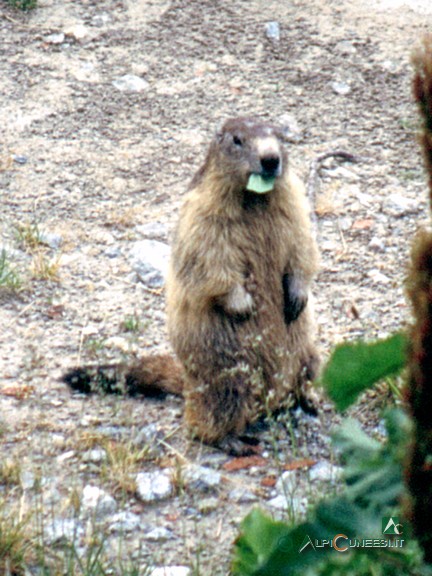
<point>238,291</point>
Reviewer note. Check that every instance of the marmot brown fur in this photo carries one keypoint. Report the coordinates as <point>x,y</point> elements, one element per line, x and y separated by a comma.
<point>238,306</point>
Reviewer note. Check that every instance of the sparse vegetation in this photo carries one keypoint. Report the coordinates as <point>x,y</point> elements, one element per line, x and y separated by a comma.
<point>9,278</point>
<point>24,5</point>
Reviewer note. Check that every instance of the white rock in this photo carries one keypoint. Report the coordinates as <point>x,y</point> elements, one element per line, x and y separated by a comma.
<point>377,244</point>
<point>98,502</point>
<point>200,478</point>
<point>52,240</point>
<point>397,205</point>
<point>62,531</point>
<point>96,455</point>
<point>150,259</point>
<point>290,128</point>
<point>171,571</point>
<point>55,38</point>
<point>159,534</point>
<point>325,472</point>
<point>288,482</point>
<point>125,522</point>
<point>154,486</point>
<point>272,30</point>
<point>130,83</point>
<point>341,88</point>
<point>378,277</point>
<point>295,505</point>
<point>77,31</point>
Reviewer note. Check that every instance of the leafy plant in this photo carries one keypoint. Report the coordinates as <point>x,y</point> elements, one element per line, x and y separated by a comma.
<point>9,278</point>
<point>373,478</point>
<point>24,5</point>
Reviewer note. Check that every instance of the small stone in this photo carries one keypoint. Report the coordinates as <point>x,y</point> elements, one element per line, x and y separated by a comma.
<point>290,128</point>
<point>96,455</point>
<point>154,486</point>
<point>62,531</point>
<point>325,472</point>
<point>19,159</point>
<point>287,483</point>
<point>55,38</point>
<point>159,534</point>
<point>113,252</point>
<point>341,88</point>
<point>242,496</point>
<point>200,478</point>
<point>130,83</point>
<point>149,259</point>
<point>98,502</point>
<point>345,47</point>
<point>171,571</point>
<point>149,437</point>
<point>50,239</point>
<point>153,230</point>
<point>398,206</point>
<point>378,277</point>
<point>345,223</point>
<point>272,30</point>
<point>125,522</point>
<point>377,244</point>
<point>66,456</point>
<point>295,505</point>
<point>207,505</point>
<point>77,31</point>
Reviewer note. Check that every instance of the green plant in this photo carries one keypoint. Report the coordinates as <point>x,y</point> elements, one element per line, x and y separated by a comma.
<point>373,489</point>
<point>24,5</point>
<point>9,278</point>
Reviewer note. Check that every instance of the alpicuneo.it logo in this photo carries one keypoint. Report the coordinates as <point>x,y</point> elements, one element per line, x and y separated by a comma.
<point>391,526</point>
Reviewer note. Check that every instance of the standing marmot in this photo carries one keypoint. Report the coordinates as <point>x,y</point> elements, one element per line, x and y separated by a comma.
<point>243,259</point>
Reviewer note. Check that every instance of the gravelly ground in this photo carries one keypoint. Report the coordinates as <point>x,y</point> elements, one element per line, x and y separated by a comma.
<point>100,164</point>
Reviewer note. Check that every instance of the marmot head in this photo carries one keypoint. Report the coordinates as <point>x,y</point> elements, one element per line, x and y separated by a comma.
<point>250,153</point>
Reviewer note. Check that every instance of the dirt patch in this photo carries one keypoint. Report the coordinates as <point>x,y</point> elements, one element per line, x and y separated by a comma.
<point>91,164</point>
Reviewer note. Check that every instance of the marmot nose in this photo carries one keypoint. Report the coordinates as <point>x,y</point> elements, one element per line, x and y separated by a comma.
<point>270,165</point>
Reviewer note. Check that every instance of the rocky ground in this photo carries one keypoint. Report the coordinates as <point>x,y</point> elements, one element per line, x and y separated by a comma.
<point>106,108</point>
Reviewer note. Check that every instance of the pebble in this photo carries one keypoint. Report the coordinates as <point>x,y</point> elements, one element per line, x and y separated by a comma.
<point>398,206</point>
<point>153,230</point>
<point>154,486</point>
<point>325,472</point>
<point>98,502</point>
<point>51,239</point>
<point>272,30</point>
<point>207,505</point>
<point>55,38</point>
<point>295,505</point>
<point>287,483</point>
<point>96,455</point>
<point>341,88</point>
<point>171,571</point>
<point>377,244</point>
<point>62,531</point>
<point>200,478</point>
<point>290,128</point>
<point>378,277</point>
<point>124,522</point>
<point>159,534</point>
<point>149,259</point>
<point>242,496</point>
<point>19,159</point>
<point>130,83</point>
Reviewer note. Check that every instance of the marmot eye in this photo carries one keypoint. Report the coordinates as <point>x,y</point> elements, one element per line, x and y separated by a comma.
<point>237,141</point>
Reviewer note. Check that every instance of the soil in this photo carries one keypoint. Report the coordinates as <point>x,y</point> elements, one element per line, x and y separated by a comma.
<point>87,169</point>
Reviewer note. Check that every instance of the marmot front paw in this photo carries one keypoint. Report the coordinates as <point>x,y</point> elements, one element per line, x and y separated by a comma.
<point>295,297</point>
<point>238,301</point>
